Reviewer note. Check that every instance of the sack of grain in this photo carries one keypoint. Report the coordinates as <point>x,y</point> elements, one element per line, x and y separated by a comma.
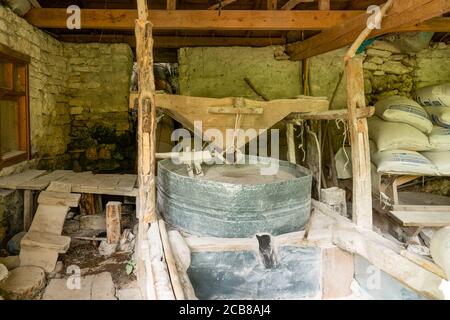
<point>343,160</point>
<point>441,160</point>
<point>404,110</point>
<point>440,139</point>
<point>403,162</point>
<point>434,96</point>
<point>396,136</point>
<point>439,115</point>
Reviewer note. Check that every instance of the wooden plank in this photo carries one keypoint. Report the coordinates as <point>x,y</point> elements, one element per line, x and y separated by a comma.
<point>403,13</point>
<point>126,182</point>
<point>425,263</point>
<point>359,138</point>
<point>422,208</point>
<point>120,19</point>
<point>59,198</point>
<point>371,246</point>
<point>47,241</point>
<point>43,181</point>
<point>58,186</point>
<point>13,181</point>
<point>49,219</point>
<point>421,219</point>
<point>235,110</point>
<point>336,261</point>
<point>113,215</point>
<point>333,114</point>
<point>439,24</point>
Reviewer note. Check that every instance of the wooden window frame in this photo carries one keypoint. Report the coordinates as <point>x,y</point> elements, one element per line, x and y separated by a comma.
<point>19,62</point>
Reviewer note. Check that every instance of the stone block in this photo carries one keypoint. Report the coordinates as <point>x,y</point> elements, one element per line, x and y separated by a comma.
<point>378,53</point>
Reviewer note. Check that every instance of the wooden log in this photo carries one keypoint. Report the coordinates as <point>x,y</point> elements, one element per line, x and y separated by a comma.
<point>87,204</point>
<point>113,214</point>
<point>27,209</point>
<point>359,139</point>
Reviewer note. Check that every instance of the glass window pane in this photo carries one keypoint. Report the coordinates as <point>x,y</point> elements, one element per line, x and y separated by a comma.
<point>9,138</point>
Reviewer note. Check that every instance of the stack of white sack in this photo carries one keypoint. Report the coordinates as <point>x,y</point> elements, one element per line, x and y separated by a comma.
<point>399,131</point>
<point>436,101</point>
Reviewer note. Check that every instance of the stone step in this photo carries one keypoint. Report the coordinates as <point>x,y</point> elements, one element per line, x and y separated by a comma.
<point>3,272</point>
<point>59,198</point>
<point>23,283</point>
<point>46,240</point>
<point>49,219</point>
<point>41,257</point>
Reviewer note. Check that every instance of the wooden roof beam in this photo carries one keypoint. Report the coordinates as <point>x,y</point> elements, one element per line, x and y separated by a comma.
<point>177,41</point>
<point>118,19</point>
<point>403,13</point>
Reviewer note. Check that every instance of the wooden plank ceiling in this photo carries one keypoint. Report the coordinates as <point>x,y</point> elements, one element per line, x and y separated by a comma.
<point>200,23</point>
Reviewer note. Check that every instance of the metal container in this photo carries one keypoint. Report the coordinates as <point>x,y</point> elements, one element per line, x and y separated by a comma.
<point>234,201</point>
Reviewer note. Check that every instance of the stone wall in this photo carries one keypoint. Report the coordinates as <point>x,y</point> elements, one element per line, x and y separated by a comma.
<point>50,121</point>
<point>98,85</point>
<point>11,214</point>
<point>219,72</point>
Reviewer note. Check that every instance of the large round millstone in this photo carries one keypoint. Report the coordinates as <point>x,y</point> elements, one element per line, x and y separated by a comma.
<point>262,195</point>
<point>23,283</point>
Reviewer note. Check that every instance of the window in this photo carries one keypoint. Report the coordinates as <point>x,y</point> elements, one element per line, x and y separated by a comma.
<point>14,112</point>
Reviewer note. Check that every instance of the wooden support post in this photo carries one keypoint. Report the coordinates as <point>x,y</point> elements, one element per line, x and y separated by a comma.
<point>145,202</point>
<point>291,143</point>
<point>324,4</point>
<point>272,4</point>
<point>113,214</point>
<point>359,138</point>
<point>152,271</point>
<point>171,4</point>
<point>87,204</point>
<point>27,209</point>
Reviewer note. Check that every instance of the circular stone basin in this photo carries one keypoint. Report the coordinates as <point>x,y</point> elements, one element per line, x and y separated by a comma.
<point>234,201</point>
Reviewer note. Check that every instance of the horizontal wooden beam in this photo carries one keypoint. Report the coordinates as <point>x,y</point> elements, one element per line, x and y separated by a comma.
<point>440,24</point>
<point>117,19</point>
<point>333,114</point>
<point>403,13</point>
<point>177,42</point>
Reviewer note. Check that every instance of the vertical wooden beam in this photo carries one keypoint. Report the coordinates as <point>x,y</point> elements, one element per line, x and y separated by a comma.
<point>324,4</point>
<point>272,4</point>
<point>359,138</point>
<point>171,4</point>
<point>153,274</point>
<point>113,214</point>
<point>145,206</point>
<point>291,142</point>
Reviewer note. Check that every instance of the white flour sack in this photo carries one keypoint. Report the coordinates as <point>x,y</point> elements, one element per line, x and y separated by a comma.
<point>441,160</point>
<point>343,160</point>
<point>396,136</point>
<point>404,110</point>
<point>403,162</point>
<point>440,139</point>
<point>434,96</point>
<point>439,115</point>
